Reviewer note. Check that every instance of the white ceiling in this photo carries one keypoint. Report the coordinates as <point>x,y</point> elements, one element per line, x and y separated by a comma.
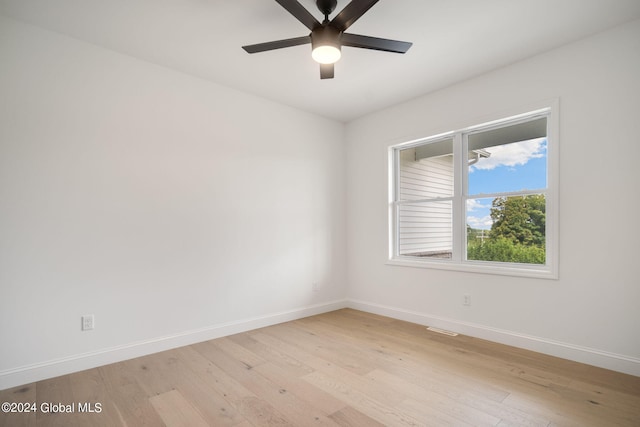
<point>453,40</point>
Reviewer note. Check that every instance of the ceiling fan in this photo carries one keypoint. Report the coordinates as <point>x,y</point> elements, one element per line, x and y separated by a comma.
<point>328,37</point>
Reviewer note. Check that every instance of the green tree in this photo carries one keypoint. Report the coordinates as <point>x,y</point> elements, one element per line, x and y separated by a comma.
<point>503,250</point>
<point>519,219</point>
<point>517,234</point>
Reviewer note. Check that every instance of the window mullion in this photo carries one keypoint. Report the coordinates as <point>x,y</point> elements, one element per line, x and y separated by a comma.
<point>464,166</point>
<point>506,194</point>
<point>418,201</point>
<point>458,199</point>
<point>394,190</point>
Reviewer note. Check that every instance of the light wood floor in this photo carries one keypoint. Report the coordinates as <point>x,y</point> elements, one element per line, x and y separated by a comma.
<point>345,368</point>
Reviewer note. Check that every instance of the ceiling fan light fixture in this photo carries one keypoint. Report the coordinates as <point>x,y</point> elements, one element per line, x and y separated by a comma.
<point>325,44</point>
<point>326,54</point>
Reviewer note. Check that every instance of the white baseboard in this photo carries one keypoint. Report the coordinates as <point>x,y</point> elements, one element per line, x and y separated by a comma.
<point>53,368</point>
<point>603,359</point>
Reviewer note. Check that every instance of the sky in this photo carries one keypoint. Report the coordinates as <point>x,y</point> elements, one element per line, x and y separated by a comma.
<point>510,167</point>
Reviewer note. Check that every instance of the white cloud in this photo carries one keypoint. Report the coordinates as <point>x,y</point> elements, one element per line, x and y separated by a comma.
<point>476,204</point>
<point>483,219</point>
<point>516,154</point>
<point>480,222</point>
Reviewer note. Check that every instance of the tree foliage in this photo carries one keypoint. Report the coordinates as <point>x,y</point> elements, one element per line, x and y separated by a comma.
<point>504,250</point>
<point>517,233</point>
<point>519,219</point>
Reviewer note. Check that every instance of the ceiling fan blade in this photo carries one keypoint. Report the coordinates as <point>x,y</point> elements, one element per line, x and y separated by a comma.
<point>375,43</point>
<point>351,13</point>
<point>326,71</point>
<point>278,44</point>
<point>300,13</point>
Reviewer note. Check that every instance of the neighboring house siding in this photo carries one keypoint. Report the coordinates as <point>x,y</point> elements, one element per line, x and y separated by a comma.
<point>425,227</point>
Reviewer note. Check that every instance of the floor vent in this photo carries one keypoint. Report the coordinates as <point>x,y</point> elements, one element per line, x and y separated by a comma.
<point>442,331</point>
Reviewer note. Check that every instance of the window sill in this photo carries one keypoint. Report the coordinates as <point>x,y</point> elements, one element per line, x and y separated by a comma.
<point>520,270</point>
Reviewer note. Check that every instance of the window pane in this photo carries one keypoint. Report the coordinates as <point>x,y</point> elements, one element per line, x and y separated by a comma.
<point>425,229</point>
<point>506,167</point>
<point>507,229</point>
<point>426,171</point>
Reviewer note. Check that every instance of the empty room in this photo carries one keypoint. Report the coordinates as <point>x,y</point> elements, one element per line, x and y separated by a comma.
<point>301,212</point>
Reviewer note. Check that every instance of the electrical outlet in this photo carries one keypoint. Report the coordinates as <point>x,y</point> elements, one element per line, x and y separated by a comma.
<point>88,322</point>
<point>466,299</point>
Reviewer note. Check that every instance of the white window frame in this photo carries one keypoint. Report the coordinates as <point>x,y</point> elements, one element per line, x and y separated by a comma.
<point>458,262</point>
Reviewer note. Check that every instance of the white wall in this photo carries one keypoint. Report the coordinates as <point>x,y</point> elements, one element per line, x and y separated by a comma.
<point>171,208</point>
<point>591,313</point>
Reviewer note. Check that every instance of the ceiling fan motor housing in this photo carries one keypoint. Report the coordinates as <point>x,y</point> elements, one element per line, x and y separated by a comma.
<point>326,36</point>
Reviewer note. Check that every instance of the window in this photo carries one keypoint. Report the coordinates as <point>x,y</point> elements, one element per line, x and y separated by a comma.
<point>478,199</point>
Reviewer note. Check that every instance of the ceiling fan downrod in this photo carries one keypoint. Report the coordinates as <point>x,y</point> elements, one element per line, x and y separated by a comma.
<point>326,7</point>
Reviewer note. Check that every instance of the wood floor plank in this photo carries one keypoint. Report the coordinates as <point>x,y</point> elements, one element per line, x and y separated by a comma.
<point>176,411</point>
<point>127,399</point>
<point>270,338</point>
<point>350,417</point>
<point>51,392</point>
<point>298,411</point>
<point>615,401</point>
<point>25,394</point>
<point>89,393</point>
<point>326,403</point>
<point>152,373</point>
<point>496,410</point>
<point>379,411</point>
<point>253,408</point>
<point>361,383</point>
<point>431,415</point>
<point>272,353</point>
<point>239,353</point>
<point>422,396</point>
<point>181,373</point>
<point>569,412</point>
<point>208,400</point>
<point>324,347</point>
